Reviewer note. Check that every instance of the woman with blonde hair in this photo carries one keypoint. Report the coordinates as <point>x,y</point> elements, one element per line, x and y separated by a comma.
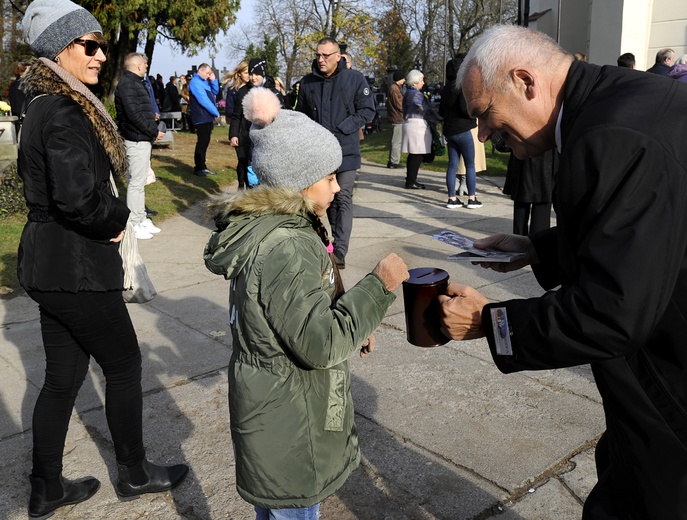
<point>231,83</point>
<point>279,85</point>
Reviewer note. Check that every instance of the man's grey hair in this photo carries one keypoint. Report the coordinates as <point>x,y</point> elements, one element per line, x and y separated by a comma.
<point>682,60</point>
<point>663,55</point>
<point>501,46</point>
<point>414,77</point>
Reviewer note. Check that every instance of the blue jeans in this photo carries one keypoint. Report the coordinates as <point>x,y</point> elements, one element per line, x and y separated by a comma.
<point>299,513</point>
<point>461,144</point>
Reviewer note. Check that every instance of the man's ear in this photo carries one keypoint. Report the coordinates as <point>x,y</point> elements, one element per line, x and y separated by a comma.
<point>524,81</point>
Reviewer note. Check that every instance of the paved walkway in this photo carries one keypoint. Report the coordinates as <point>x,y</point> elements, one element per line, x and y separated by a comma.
<point>444,434</point>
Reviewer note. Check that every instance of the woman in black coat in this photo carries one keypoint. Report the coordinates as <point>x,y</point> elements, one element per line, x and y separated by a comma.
<point>68,256</point>
<point>239,137</point>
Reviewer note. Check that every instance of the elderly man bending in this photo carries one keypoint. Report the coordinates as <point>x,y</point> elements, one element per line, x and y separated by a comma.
<point>618,254</point>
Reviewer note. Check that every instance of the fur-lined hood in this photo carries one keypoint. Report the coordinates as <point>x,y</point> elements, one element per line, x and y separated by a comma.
<point>244,220</point>
<point>39,79</point>
<point>258,201</point>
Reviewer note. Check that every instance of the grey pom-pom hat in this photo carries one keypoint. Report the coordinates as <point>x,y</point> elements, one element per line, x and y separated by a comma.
<point>291,151</point>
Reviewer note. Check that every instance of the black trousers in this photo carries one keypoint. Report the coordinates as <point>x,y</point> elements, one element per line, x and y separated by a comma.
<point>600,504</point>
<point>244,155</point>
<point>413,163</point>
<point>530,217</point>
<point>74,328</point>
<point>204,132</point>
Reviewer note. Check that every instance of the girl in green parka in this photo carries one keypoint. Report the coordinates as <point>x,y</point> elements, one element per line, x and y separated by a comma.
<point>293,327</point>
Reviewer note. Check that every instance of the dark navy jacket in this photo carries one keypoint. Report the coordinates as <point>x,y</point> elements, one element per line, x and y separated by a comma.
<point>342,103</point>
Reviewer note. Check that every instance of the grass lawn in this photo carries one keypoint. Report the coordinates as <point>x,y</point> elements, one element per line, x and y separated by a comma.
<point>375,148</point>
<point>177,188</point>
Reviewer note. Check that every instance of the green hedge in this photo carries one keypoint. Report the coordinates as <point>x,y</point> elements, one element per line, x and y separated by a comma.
<point>11,194</point>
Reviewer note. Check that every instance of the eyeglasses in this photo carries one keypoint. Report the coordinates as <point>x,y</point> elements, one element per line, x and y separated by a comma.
<point>324,56</point>
<point>91,46</point>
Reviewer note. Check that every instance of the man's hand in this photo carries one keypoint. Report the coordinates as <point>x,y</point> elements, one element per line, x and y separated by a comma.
<point>461,312</point>
<point>510,243</point>
<point>160,135</point>
<point>234,141</point>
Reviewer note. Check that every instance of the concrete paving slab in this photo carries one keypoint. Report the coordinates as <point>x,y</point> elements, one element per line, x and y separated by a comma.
<point>460,406</point>
<point>444,435</point>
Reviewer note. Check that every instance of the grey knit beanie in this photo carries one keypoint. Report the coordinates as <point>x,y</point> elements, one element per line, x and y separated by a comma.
<point>290,150</point>
<point>50,25</point>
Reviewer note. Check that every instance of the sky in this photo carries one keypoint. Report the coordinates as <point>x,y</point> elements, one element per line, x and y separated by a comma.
<point>168,62</point>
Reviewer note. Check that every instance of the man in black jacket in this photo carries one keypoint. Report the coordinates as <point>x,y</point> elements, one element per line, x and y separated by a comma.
<point>138,126</point>
<point>618,254</point>
<point>665,59</point>
<point>339,99</point>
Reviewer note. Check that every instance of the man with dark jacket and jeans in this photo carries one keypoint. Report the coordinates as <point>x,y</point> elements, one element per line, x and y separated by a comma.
<point>339,99</point>
<point>203,113</point>
<point>614,267</point>
<point>138,126</point>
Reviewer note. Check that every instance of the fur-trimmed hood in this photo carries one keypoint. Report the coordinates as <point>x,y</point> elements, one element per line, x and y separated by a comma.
<point>258,201</point>
<point>244,220</point>
<point>39,79</point>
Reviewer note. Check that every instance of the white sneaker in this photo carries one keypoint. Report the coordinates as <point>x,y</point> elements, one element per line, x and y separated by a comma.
<point>148,225</point>
<point>141,233</point>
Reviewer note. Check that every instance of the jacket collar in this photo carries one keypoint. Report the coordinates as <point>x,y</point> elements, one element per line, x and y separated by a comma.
<point>579,83</point>
<point>41,80</point>
<point>316,70</point>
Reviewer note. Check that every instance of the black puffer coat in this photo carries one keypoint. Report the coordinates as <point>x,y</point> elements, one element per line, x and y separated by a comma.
<point>135,115</point>
<point>67,149</point>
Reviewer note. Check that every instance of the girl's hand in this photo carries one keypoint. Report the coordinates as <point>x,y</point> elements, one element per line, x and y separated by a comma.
<point>368,346</point>
<point>392,270</point>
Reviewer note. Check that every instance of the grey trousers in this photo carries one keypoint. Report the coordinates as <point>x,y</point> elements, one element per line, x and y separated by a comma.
<point>396,139</point>
<point>138,154</point>
<point>340,213</point>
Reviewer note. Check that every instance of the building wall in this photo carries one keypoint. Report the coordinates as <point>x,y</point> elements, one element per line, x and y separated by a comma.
<point>668,29</point>
<point>605,29</point>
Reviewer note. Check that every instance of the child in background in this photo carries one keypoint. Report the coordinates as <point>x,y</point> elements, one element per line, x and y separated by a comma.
<point>293,327</point>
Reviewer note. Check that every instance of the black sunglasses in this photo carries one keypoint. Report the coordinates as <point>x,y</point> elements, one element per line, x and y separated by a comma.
<point>91,46</point>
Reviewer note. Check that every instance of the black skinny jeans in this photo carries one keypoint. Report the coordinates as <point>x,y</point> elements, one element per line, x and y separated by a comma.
<point>74,328</point>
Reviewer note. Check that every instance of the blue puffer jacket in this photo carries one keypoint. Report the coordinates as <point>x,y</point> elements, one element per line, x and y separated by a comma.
<point>201,105</point>
<point>349,106</point>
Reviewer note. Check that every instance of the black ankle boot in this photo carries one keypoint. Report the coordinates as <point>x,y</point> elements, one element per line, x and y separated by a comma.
<point>47,494</point>
<point>146,477</point>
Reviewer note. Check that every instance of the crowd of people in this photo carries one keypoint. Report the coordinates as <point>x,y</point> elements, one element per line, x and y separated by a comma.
<point>613,267</point>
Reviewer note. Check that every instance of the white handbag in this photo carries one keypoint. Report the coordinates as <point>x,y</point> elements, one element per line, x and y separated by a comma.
<point>138,288</point>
